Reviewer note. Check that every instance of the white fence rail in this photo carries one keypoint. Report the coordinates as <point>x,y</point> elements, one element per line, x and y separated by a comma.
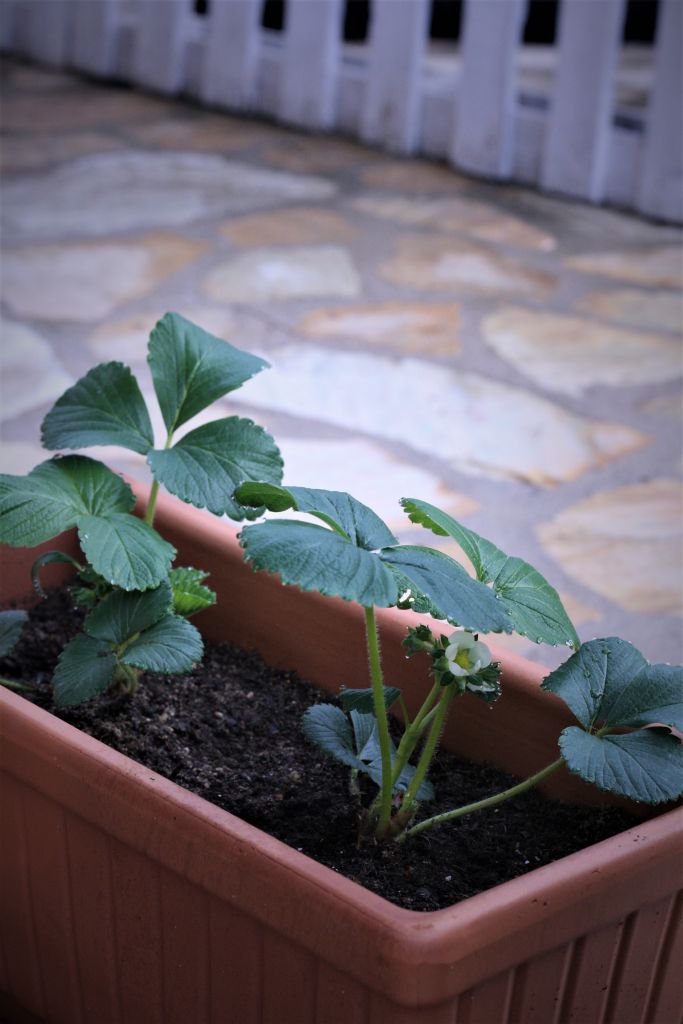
<point>566,119</point>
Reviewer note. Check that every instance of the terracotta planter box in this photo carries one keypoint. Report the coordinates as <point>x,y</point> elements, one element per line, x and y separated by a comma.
<point>127,899</point>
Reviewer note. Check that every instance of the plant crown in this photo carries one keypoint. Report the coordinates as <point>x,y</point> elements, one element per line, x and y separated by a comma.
<point>607,683</point>
<point>138,605</point>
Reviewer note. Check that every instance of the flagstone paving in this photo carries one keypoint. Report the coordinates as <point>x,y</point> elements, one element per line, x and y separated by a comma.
<point>569,354</point>
<point>512,357</point>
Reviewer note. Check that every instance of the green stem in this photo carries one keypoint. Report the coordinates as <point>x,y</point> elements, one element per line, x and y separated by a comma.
<point>152,503</point>
<point>382,719</point>
<point>490,801</point>
<point>14,684</point>
<point>413,733</point>
<point>428,750</point>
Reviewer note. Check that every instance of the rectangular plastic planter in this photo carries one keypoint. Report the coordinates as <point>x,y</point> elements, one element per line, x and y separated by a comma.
<point>127,899</point>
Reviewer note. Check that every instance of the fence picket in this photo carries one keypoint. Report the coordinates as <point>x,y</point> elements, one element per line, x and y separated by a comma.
<point>576,158</point>
<point>231,54</point>
<point>661,185</point>
<point>159,50</point>
<point>483,132</point>
<point>398,34</point>
<point>310,63</point>
<point>95,27</point>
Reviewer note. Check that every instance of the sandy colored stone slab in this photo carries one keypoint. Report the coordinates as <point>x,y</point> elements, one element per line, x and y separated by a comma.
<point>30,373</point>
<point>296,272</point>
<point>477,425</point>
<point>308,154</point>
<point>436,264</point>
<point>660,267</point>
<point>20,153</point>
<point>460,215</point>
<point>116,192</point>
<point>626,544</point>
<point>670,406</point>
<point>407,327</point>
<point>77,110</point>
<point>413,176</point>
<point>662,311</point>
<point>295,226</point>
<point>87,281</point>
<point>569,354</point>
<point>370,473</point>
<point>204,134</point>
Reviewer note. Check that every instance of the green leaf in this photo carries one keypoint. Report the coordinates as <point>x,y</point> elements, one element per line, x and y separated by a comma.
<point>354,743</point>
<point>11,625</point>
<point>206,466</point>
<point>336,508</point>
<point>104,407</point>
<point>314,558</point>
<point>361,699</point>
<point>533,605</point>
<point>126,551</point>
<point>462,600</point>
<point>86,667</point>
<point>416,601</point>
<point>171,645</point>
<point>54,495</point>
<point>191,368</point>
<point>189,594</point>
<point>329,728</point>
<point>425,790</point>
<point>125,612</point>
<point>645,765</point>
<point>256,494</point>
<point>49,558</point>
<point>609,682</point>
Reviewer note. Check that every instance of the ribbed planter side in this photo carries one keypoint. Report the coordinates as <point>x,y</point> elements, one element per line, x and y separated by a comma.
<point>127,899</point>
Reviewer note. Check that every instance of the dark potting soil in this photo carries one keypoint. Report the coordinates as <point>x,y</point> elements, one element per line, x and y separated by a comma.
<point>230,731</point>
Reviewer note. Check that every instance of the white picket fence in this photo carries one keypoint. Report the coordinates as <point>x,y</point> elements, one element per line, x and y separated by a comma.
<point>468,104</point>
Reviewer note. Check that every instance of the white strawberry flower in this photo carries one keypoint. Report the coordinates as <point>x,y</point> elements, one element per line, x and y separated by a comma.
<point>465,655</point>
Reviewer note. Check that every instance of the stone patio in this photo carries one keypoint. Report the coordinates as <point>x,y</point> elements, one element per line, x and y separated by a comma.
<point>512,357</point>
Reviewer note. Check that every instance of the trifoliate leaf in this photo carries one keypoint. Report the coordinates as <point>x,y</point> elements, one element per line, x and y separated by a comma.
<point>86,667</point>
<point>189,594</point>
<point>533,605</point>
<point>609,682</point>
<point>462,600</point>
<point>361,699</point>
<point>11,625</point>
<point>54,496</point>
<point>104,407</point>
<point>126,551</point>
<point>170,646</point>
<point>125,612</point>
<point>206,466</point>
<point>644,765</point>
<point>192,368</point>
<point>314,558</point>
<point>336,508</point>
